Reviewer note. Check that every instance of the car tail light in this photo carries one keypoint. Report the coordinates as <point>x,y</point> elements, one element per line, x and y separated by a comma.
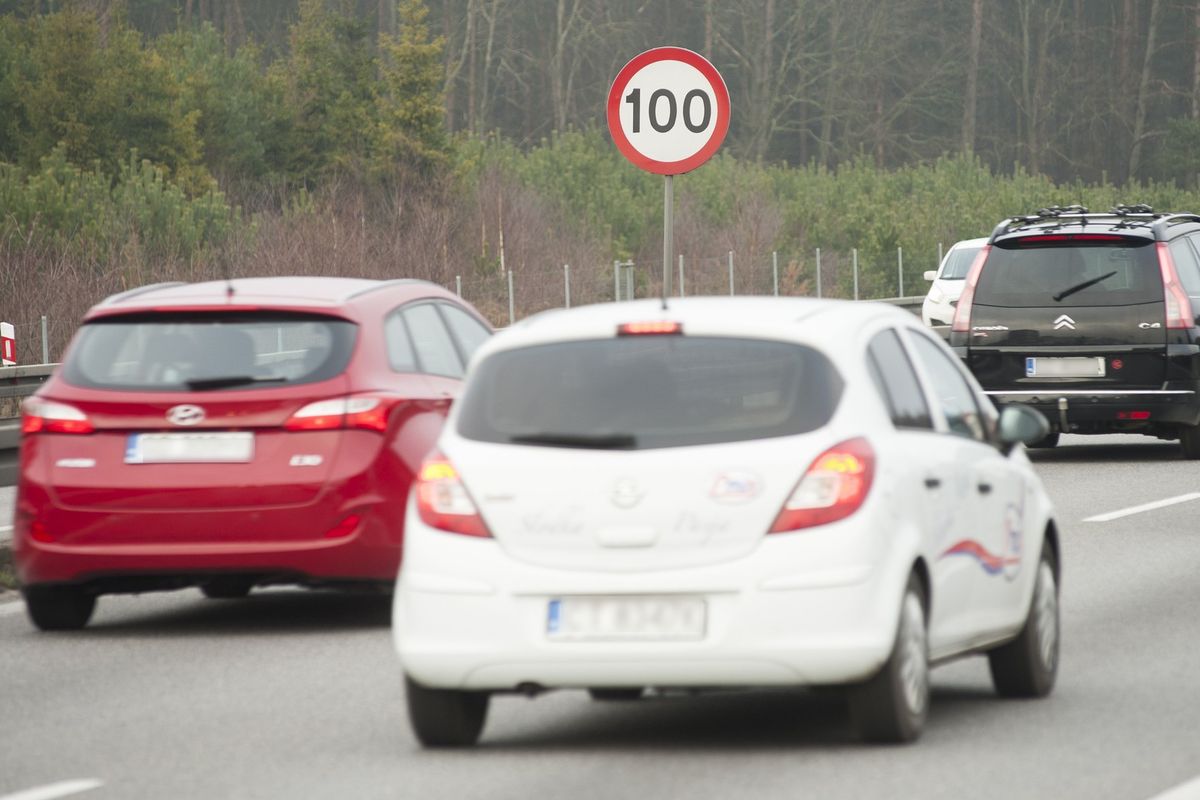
<point>367,411</point>
<point>654,328</point>
<point>962,312</point>
<point>833,488</point>
<point>344,528</point>
<point>1179,308</point>
<point>1133,415</point>
<point>47,416</point>
<point>443,501</point>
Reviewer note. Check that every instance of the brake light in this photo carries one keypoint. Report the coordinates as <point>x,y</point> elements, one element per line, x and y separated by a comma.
<point>656,328</point>
<point>48,416</point>
<point>1036,241</point>
<point>962,312</point>
<point>1179,308</point>
<point>443,501</point>
<point>833,488</point>
<point>368,412</point>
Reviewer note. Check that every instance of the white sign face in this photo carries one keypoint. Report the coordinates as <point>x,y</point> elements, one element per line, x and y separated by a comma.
<point>668,110</point>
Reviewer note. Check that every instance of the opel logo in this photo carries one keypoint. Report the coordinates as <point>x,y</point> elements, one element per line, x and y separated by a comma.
<point>626,493</point>
<point>185,415</point>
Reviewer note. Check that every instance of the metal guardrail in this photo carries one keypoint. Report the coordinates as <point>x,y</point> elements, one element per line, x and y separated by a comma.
<point>23,381</point>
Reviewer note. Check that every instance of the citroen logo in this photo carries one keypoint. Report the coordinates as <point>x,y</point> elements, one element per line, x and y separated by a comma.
<point>185,415</point>
<point>626,493</point>
<point>1064,322</point>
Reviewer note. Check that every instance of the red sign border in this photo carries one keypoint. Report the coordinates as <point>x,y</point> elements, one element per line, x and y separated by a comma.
<point>615,92</point>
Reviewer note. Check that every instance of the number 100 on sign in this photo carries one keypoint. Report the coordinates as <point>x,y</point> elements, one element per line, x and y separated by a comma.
<point>668,110</point>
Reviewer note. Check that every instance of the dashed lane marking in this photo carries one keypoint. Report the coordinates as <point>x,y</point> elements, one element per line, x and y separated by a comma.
<point>1126,512</point>
<point>1184,791</point>
<point>54,790</point>
<point>9,610</point>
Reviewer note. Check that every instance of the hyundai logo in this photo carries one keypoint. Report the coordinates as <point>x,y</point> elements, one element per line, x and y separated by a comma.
<point>185,415</point>
<point>1064,322</point>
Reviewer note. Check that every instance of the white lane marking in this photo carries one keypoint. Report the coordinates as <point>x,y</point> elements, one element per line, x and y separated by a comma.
<point>5,528</point>
<point>52,790</point>
<point>1125,512</point>
<point>8,610</point>
<point>1184,791</point>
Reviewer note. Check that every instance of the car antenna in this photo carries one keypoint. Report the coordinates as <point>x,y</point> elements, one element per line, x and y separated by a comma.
<point>228,280</point>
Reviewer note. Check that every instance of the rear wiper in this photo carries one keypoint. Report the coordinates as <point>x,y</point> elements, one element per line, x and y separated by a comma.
<point>1079,287</point>
<point>602,441</point>
<point>228,382</point>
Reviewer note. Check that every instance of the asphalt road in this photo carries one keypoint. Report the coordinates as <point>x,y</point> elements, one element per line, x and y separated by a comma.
<point>292,694</point>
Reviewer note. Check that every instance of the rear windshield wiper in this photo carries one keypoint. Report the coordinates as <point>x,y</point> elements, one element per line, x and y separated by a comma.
<point>601,441</point>
<point>1079,287</point>
<point>228,382</point>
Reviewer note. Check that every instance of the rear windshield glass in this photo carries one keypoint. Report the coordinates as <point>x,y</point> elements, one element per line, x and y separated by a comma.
<point>1117,274</point>
<point>958,263</point>
<point>168,353</point>
<point>640,392</point>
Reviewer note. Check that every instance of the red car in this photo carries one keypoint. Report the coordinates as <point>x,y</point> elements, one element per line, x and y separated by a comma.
<point>234,434</point>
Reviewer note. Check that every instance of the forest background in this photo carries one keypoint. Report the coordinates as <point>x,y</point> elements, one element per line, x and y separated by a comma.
<point>151,140</point>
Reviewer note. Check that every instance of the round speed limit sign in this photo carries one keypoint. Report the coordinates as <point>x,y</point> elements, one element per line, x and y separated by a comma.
<point>668,110</point>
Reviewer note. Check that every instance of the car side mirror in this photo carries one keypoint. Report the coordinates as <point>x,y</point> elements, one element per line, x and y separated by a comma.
<point>1020,423</point>
<point>929,274</point>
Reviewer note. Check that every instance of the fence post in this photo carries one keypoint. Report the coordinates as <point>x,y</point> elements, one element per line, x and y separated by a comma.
<point>616,281</point>
<point>854,254</point>
<point>900,270</point>
<point>629,287</point>
<point>567,282</point>
<point>818,272</point>
<point>512,317</point>
<point>731,273</point>
<point>940,256</point>
<point>681,294</point>
<point>458,285</point>
<point>45,342</point>
<point>775,270</point>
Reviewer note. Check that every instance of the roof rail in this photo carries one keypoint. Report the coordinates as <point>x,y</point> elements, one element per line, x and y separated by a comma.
<point>392,282</point>
<point>140,290</point>
<point>1166,220</point>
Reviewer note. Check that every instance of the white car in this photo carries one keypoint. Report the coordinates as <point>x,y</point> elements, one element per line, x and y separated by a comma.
<point>723,493</point>
<point>948,280</point>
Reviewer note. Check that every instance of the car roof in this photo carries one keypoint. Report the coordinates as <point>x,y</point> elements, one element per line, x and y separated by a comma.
<point>970,243</point>
<point>313,294</point>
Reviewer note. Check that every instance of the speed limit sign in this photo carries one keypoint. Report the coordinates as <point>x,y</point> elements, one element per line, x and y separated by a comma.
<point>668,110</point>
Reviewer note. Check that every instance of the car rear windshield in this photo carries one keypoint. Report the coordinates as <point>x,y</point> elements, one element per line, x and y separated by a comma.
<point>958,263</point>
<point>1118,273</point>
<point>641,392</point>
<point>177,353</point>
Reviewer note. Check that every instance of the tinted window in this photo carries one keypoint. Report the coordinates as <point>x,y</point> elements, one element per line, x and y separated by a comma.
<point>649,391</point>
<point>399,345</point>
<point>954,394</point>
<point>897,383</point>
<point>175,353</point>
<point>1031,277</point>
<point>958,263</point>
<point>469,331</point>
<point>1186,265</point>
<point>432,342</point>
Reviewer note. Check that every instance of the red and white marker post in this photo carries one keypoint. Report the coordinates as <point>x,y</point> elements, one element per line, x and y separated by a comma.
<point>668,112</point>
<point>8,345</point>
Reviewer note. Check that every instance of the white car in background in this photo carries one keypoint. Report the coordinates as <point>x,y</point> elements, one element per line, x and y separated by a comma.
<point>723,493</point>
<point>948,281</point>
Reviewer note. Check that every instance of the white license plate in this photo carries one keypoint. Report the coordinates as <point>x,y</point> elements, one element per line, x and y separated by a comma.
<point>641,618</point>
<point>1089,367</point>
<point>189,448</point>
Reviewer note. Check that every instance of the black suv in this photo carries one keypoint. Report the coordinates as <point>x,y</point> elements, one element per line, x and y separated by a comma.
<point>1091,319</point>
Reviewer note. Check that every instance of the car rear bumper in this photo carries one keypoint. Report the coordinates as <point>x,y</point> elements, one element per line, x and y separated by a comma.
<point>1113,408</point>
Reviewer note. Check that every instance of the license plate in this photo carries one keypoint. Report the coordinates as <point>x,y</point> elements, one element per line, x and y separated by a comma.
<point>189,448</point>
<point>1089,367</point>
<point>647,618</point>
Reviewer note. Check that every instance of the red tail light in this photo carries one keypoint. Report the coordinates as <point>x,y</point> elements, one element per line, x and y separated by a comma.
<point>48,416</point>
<point>1179,308</point>
<point>443,501</point>
<point>366,411</point>
<point>344,528</point>
<point>833,488</point>
<point>962,313</point>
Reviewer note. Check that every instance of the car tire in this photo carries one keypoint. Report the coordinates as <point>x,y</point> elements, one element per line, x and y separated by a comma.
<point>1028,665</point>
<point>1189,438</point>
<point>58,608</point>
<point>227,588</point>
<point>445,717</point>
<point>616,695</point>
<point>893,705</point>
<point>1048,441</point>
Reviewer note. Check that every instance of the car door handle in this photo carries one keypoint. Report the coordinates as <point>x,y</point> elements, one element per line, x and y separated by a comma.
<point>984,488</point>
<point>933,483</point>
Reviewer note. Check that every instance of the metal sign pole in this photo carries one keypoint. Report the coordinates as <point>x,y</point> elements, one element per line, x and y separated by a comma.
<point>668,225</point>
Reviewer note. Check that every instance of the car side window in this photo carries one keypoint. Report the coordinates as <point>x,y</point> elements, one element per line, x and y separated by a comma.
<point>431,341</point>
<point>1187,265</point>
<point>399,344</point>
<point>953,392</point>
<point>468,331</point>
<point>897,383</point>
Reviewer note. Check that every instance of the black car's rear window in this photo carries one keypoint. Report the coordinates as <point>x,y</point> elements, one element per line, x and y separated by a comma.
<point>208,352</point>
<point>640,392</point>
<point>1125,272</point>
